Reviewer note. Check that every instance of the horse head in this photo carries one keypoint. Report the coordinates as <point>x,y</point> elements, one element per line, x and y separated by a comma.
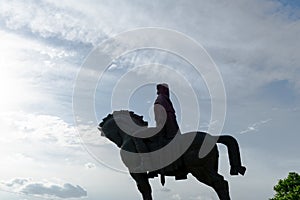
<point>120,125</point>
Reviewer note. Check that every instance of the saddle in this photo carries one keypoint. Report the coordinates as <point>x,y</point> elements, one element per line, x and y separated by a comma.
<point>156,142</point>
<point>176,169</point>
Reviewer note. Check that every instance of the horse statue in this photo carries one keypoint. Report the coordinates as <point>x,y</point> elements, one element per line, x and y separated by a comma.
<point>204,169</point>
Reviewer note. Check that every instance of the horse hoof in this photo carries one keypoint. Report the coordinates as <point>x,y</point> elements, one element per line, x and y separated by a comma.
<point>237,170</point>
<point>242,170</point>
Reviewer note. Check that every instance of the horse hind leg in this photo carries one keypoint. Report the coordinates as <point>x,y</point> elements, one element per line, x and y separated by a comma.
<point>234,154</point>
<point>143,185</point>
<point>214,180</point>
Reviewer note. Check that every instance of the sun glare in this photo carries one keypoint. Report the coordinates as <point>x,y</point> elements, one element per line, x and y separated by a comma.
<point>11,88</point>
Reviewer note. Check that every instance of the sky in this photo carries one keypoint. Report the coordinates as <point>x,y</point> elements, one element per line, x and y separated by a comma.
<point>46,152</point>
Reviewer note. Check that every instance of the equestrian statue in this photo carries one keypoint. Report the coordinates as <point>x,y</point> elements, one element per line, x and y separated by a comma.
<point>163,150</point>
<point>204,169</point>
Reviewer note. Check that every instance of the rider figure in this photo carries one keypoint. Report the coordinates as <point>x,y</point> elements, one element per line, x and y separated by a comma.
<point>166,123</point>
<point>165,113</point>
<point>165,118</point>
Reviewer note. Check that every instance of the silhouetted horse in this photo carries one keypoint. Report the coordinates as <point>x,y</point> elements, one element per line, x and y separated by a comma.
<point>204,169</point>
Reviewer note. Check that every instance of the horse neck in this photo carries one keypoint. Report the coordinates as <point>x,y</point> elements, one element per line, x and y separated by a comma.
<point>126,131</point>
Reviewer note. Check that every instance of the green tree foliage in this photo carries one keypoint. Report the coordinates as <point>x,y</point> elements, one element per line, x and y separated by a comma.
<point>288,188</point>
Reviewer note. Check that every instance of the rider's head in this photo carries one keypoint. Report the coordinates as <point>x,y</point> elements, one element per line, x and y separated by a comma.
<point>163,88</point>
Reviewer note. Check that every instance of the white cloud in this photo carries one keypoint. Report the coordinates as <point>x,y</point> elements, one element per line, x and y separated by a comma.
<point>90,135</point>
<point>204,197</point>
<point>252,47</point>
<point>254,127</point>
<point>164,189</point>
<point>46,20</point>
<point>34,75</point>
<point>44,138</point>
<point>175,197</point>
<point>38,128</point>
<point>38,142</point>
<point>90,165</point>
<point>248,44</point>
<point>44,188</point>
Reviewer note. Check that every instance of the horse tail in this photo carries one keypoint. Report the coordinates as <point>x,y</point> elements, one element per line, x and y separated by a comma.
<point>233,153</point>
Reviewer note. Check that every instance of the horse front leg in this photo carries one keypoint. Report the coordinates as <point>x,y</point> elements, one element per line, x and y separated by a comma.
<point>143,185</point>
<point>214,180</point>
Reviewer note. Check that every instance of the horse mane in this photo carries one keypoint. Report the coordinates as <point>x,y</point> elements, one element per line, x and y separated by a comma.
<point>138,119</point>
